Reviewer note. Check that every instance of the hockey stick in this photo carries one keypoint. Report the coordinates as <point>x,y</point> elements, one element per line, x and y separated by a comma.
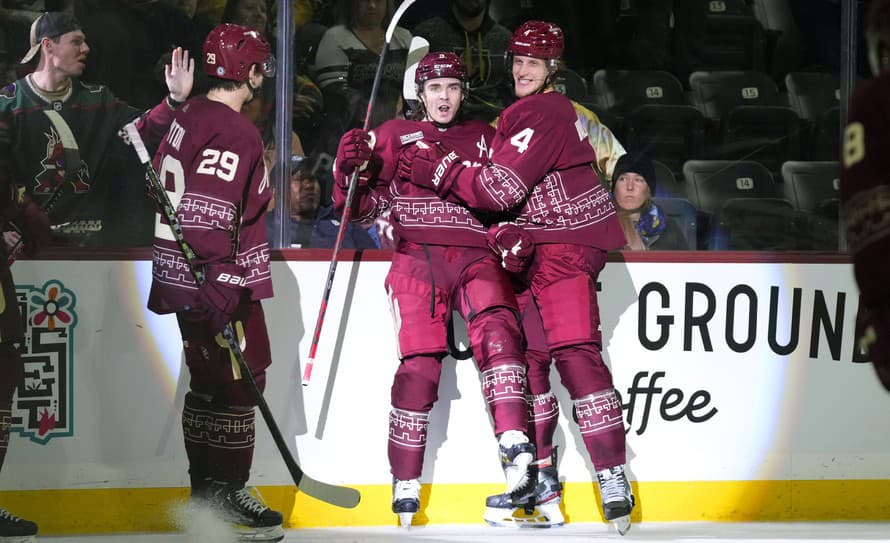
<point>350,194</point>
<point>335,495</point>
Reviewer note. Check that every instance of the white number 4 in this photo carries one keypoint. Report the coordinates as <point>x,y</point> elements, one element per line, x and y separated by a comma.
<point>521,139</point>
<point>222,165</point>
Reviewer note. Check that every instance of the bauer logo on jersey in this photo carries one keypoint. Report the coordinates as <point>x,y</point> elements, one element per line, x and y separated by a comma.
<point>405,139</point>
<point>42,409</point>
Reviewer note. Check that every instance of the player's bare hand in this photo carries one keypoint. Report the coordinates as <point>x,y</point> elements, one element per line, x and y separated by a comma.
<point>180,74</point>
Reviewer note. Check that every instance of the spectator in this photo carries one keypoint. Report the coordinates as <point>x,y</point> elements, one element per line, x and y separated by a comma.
<point>468,30</point>
<point>311,225</point>
<point>65,133</point>
<point>645,225</point>
<point>348,53</point>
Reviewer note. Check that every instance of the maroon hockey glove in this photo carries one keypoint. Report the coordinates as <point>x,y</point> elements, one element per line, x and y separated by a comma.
<point>513,245</point>
<point>33,223</point>
<point>219,296</point>
<point>354,151</point>
<point>430,166</point>
<point>873,337</point>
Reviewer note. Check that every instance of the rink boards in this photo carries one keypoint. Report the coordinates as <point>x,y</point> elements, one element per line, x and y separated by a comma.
<point>744,397</point>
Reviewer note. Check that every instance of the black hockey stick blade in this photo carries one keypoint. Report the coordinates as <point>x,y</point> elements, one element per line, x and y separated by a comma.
<point>335,495</point>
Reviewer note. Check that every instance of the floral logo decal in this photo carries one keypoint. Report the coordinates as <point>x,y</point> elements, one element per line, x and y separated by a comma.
<point>43,405</point>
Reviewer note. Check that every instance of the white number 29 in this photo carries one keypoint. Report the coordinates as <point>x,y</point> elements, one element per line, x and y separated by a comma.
<point>521,139</point>
<point>222,165</point>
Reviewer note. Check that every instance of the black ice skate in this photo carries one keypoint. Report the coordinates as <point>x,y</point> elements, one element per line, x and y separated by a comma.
<point>618,499</point>
<point>250,518</point>
<point>14,529</point>
<point>538,509</point>
<point>405,500</point>
<point>517,454</point>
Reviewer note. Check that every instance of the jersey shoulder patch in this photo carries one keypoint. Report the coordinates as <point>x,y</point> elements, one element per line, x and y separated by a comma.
<point>8,91</point>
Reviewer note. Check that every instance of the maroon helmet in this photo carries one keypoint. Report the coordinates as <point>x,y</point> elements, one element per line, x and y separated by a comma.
<point>434,65</point>
<point>537,39</point>
<point>230,50</point>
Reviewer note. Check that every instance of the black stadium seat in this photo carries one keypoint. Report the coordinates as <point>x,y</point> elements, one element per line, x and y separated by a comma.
<point>657,120</point>
<point>682,211</point>
<point>814,188</point>
<point>751,120</point>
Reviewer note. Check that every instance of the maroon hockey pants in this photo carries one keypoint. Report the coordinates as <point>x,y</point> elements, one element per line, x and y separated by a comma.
<point>560,320</point>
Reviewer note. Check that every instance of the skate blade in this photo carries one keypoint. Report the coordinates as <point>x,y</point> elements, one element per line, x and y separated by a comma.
<point>622,524</point>
<point>543,516</point>
<point>18,538</point>
<point>517,473</point>
<point>405,519</point>
<point>269,533</point>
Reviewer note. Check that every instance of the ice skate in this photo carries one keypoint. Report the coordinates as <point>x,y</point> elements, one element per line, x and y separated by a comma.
<point>618,499</point>
<point>405,500</point>
<point>250,518</point>
<point>517,454</point>
<point>538,509</point>
<point>14,529</point>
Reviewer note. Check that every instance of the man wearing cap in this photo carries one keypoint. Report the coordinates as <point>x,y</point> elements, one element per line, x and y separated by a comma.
<point>64,132</point>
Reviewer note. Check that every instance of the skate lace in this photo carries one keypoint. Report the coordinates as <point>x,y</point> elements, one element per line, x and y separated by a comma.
<point>246,500</point>
<point>612,485</point>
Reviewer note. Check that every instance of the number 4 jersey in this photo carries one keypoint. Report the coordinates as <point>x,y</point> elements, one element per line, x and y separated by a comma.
<point>211,163</point>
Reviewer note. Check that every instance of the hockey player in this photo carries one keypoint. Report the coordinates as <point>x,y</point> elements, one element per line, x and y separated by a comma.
<point>865,193</point>
<point>20,216</point>
<point>540,170</point>
<point>211,161</point>
<point>64,130</point>
<point>440,264</point>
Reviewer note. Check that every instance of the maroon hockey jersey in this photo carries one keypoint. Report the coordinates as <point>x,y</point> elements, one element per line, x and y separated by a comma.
<point>540,170</point>
<point>418,214</point>
<point>211,163</point>
<point>865,187</point>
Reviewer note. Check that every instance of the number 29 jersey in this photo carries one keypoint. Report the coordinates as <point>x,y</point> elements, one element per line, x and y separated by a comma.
<point>211,164</point>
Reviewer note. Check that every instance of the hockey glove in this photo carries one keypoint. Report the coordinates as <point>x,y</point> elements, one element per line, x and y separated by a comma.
<point>429,166</point>
<point>33,223</point>
<point>354,152</point>
<point>873,337</point>
<point>513,245</point>
<point>220,295</point>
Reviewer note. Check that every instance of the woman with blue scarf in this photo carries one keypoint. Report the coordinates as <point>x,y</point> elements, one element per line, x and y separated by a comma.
<point>645,225</point>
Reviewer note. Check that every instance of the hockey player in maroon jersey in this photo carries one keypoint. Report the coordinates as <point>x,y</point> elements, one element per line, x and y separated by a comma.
<point>865,193</point>
<point>540,171</point>
<point>22,221</point>
<point>211,162</point>
<point>440,264</point>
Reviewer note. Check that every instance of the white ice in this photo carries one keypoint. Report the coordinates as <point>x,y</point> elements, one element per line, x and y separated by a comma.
<point>699,532</point>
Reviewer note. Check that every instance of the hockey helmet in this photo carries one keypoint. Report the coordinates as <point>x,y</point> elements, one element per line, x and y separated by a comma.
<point>436,65</point>
<point>877,35</point>
<point>230,50</point>
<point>538,39</point>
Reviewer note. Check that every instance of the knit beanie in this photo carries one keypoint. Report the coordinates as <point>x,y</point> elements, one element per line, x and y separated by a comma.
<point>637,163</point>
